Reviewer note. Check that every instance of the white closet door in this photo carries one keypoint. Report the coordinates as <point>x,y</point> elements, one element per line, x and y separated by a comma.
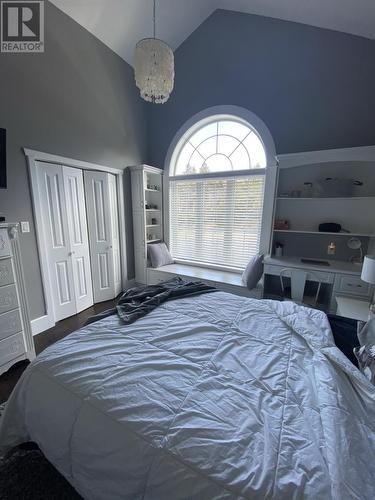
<point>100,234</point>
<point>52,195</point>
<point>79,243</point>
<point>115,233</point>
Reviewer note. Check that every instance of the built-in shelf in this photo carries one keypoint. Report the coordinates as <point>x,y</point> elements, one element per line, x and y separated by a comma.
<point>147,208</point>
<point>335,198</point>
<point>323,233</point>
<point>305,199</point>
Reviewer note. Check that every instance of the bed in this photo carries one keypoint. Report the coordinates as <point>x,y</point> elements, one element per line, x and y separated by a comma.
<point>207,397</point>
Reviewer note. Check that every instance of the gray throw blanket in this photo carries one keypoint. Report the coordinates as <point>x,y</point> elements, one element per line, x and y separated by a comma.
<point>139,301</point>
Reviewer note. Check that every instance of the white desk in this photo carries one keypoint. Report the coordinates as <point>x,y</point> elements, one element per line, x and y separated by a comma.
<point>352,308</point>
<point>344,277</point>
<point>334,266</point>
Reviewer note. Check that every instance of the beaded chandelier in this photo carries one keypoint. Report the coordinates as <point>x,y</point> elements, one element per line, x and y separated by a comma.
<point>154,68</point>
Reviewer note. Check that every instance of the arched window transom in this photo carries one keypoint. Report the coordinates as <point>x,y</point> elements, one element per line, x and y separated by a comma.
<point>221,146</point>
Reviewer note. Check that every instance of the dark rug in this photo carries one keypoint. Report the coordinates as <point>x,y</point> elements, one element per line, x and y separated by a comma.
<point>25,474</point>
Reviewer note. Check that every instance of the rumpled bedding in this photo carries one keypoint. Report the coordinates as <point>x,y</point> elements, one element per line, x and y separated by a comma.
<point>207,397</point>
<point>141,300</point>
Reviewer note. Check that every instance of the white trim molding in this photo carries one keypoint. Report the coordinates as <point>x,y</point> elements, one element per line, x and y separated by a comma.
<point>363,153</point>
<point>48,319</point>
<point>34,155</point>
<point>219,112</point>
<point>41,324</point>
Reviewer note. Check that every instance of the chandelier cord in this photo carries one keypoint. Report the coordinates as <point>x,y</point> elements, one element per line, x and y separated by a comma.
<point>154,18</point>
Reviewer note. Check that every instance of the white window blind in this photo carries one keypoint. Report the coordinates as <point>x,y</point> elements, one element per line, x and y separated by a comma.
<point>217,220</point>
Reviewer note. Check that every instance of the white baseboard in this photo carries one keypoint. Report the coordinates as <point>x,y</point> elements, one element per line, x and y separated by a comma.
<point>39,325</point>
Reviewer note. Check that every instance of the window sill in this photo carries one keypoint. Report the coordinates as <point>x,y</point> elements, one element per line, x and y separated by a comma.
<point>210,267</point>
<point>228,281</point>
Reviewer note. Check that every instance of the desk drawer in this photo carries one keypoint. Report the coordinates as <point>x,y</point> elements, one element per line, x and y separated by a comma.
<point>353,285</point>
<point>311,274</point>
<point>11,348</point>
<point>274,270</point>
<point>8,298</point>
<point>6,272</point>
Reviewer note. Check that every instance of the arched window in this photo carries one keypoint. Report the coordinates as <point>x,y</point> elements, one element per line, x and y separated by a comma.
<point>216,191</point>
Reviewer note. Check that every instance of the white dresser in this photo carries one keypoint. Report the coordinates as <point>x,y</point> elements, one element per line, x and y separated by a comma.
<point>16,341</point>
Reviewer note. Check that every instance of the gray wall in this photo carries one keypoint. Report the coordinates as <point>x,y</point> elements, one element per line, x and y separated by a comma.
<point>313,88</point>
<point>78,99</point>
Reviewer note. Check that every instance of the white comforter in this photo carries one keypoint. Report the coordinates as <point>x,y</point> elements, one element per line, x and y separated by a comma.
<point>209,397</point>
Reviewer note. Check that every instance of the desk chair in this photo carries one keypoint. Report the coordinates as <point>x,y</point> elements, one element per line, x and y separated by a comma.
<point>298,278</point>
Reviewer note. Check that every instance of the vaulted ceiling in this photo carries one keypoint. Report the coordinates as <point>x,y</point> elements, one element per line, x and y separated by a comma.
<point>121,23</point>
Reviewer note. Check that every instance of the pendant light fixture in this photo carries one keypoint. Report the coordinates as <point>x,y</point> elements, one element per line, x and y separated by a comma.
<point>154,68</point>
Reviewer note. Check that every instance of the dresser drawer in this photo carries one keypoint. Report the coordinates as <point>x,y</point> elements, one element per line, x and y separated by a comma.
<point>11,347</point>
<point>8,298</point>
<point>10,323</point>
<point>6,272</point>
<point>4,243</point>
<point>353,285</point>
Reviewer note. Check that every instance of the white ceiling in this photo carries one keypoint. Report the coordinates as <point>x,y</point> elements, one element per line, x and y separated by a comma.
<point>121,23</point>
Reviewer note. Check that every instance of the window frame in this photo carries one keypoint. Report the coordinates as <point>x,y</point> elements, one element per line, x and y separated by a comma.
<point>220,113</point>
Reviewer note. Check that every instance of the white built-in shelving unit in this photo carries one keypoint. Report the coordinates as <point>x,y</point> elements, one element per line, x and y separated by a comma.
<point>353,210</point>
<point>147,200</point>
<point>332,186</point>
<point>305,214</point>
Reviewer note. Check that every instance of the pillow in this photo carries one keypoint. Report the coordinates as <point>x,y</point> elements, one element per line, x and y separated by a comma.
<point>159,255</point>
<point>366,352</point>
<point>253,272</point>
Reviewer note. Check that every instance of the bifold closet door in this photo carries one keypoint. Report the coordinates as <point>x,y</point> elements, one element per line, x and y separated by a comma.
<point>102,216</point>
<point>116,248</point>
<point>79,241</point>
<point>65,228</point>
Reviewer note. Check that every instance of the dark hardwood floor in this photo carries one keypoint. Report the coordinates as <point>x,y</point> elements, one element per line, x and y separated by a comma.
<point>10,378</point>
